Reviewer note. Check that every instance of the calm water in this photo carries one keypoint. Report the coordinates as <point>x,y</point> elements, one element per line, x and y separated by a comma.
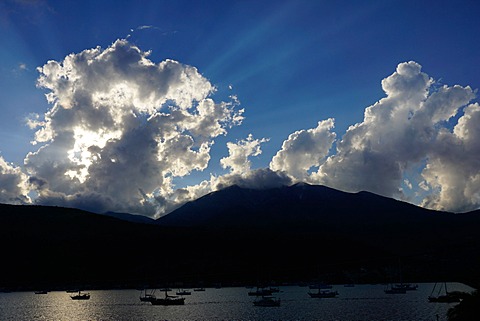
<point>362,302</point>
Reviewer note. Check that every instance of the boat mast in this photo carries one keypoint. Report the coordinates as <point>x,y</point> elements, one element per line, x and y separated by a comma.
<point>433,290</point>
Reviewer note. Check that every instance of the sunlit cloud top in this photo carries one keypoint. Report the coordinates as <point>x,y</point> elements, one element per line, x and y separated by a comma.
<point>121,127</point>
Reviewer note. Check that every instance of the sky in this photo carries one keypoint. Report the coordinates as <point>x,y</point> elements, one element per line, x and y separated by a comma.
<point>139,107</point>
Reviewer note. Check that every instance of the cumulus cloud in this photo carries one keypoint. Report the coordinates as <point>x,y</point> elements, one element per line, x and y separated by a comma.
<point>240,174</point>
<point>14,186</point>
<point>121,127</point>
<point>261,178</point>
<point>239,153</point>
<point>407,128</point>
<point>304,149</point>
<point>453,169</point>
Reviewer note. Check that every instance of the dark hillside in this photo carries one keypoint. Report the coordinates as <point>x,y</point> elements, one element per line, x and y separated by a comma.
<point>240,235</point>
<point>341,226</point>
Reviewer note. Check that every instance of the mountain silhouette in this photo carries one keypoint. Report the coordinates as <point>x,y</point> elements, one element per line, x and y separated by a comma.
<point>337,227</point>
<point>304,207</point>
<point>240,235</point>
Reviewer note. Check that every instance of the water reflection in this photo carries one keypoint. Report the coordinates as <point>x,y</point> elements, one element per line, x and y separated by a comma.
<point>362,302</point>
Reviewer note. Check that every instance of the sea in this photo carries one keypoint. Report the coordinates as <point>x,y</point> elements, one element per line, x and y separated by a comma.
<point>354,303</point>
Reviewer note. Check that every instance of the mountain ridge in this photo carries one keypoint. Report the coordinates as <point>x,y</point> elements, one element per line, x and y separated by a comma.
<point>302,202</point>
<point>240,235</point>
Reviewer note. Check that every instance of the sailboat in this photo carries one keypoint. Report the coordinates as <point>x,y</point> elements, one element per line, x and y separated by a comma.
<point>391,289</point>
<point>81,296</point>
<point>448,297</point>
<point>168,300</point>
<point>147,297</point>
<point>400,288</point>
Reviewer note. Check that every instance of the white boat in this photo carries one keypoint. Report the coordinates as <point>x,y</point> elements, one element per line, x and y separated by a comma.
<point>391,289</point>
<point>168,300</point>
<point>81,296</point>
<point>147,297</point>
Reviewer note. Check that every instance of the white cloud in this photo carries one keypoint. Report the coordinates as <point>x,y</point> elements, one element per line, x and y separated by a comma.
<point>240,174</point>
<point>239,153</point>
<point>18,70</point>
<point>261,178</point>
<point>407,183</point>
<point>145,27</point>
<point>404,129</point>
<point>304,149</point>
<point>424,186</point>
<point>14,186</point>
<point>453,168</point>
<point>121,127</point>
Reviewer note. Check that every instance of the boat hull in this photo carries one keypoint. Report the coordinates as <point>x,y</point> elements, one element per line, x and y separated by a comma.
<point>81,297</point>
<point>168,301</point>
<point>147,298</point>
<point>444,299</point>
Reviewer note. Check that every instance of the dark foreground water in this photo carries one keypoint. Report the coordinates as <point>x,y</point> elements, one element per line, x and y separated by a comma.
<point>361,302</point>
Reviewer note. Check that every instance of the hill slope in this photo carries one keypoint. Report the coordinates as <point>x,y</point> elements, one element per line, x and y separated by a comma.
<point>300,206</point>
<point>339,226</point>
<point>240,235</point>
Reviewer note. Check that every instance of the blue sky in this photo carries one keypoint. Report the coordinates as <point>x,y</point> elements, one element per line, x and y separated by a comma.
<point>291,64</point>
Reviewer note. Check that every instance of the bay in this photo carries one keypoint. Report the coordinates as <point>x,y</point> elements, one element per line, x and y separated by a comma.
<point>361,302</point>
